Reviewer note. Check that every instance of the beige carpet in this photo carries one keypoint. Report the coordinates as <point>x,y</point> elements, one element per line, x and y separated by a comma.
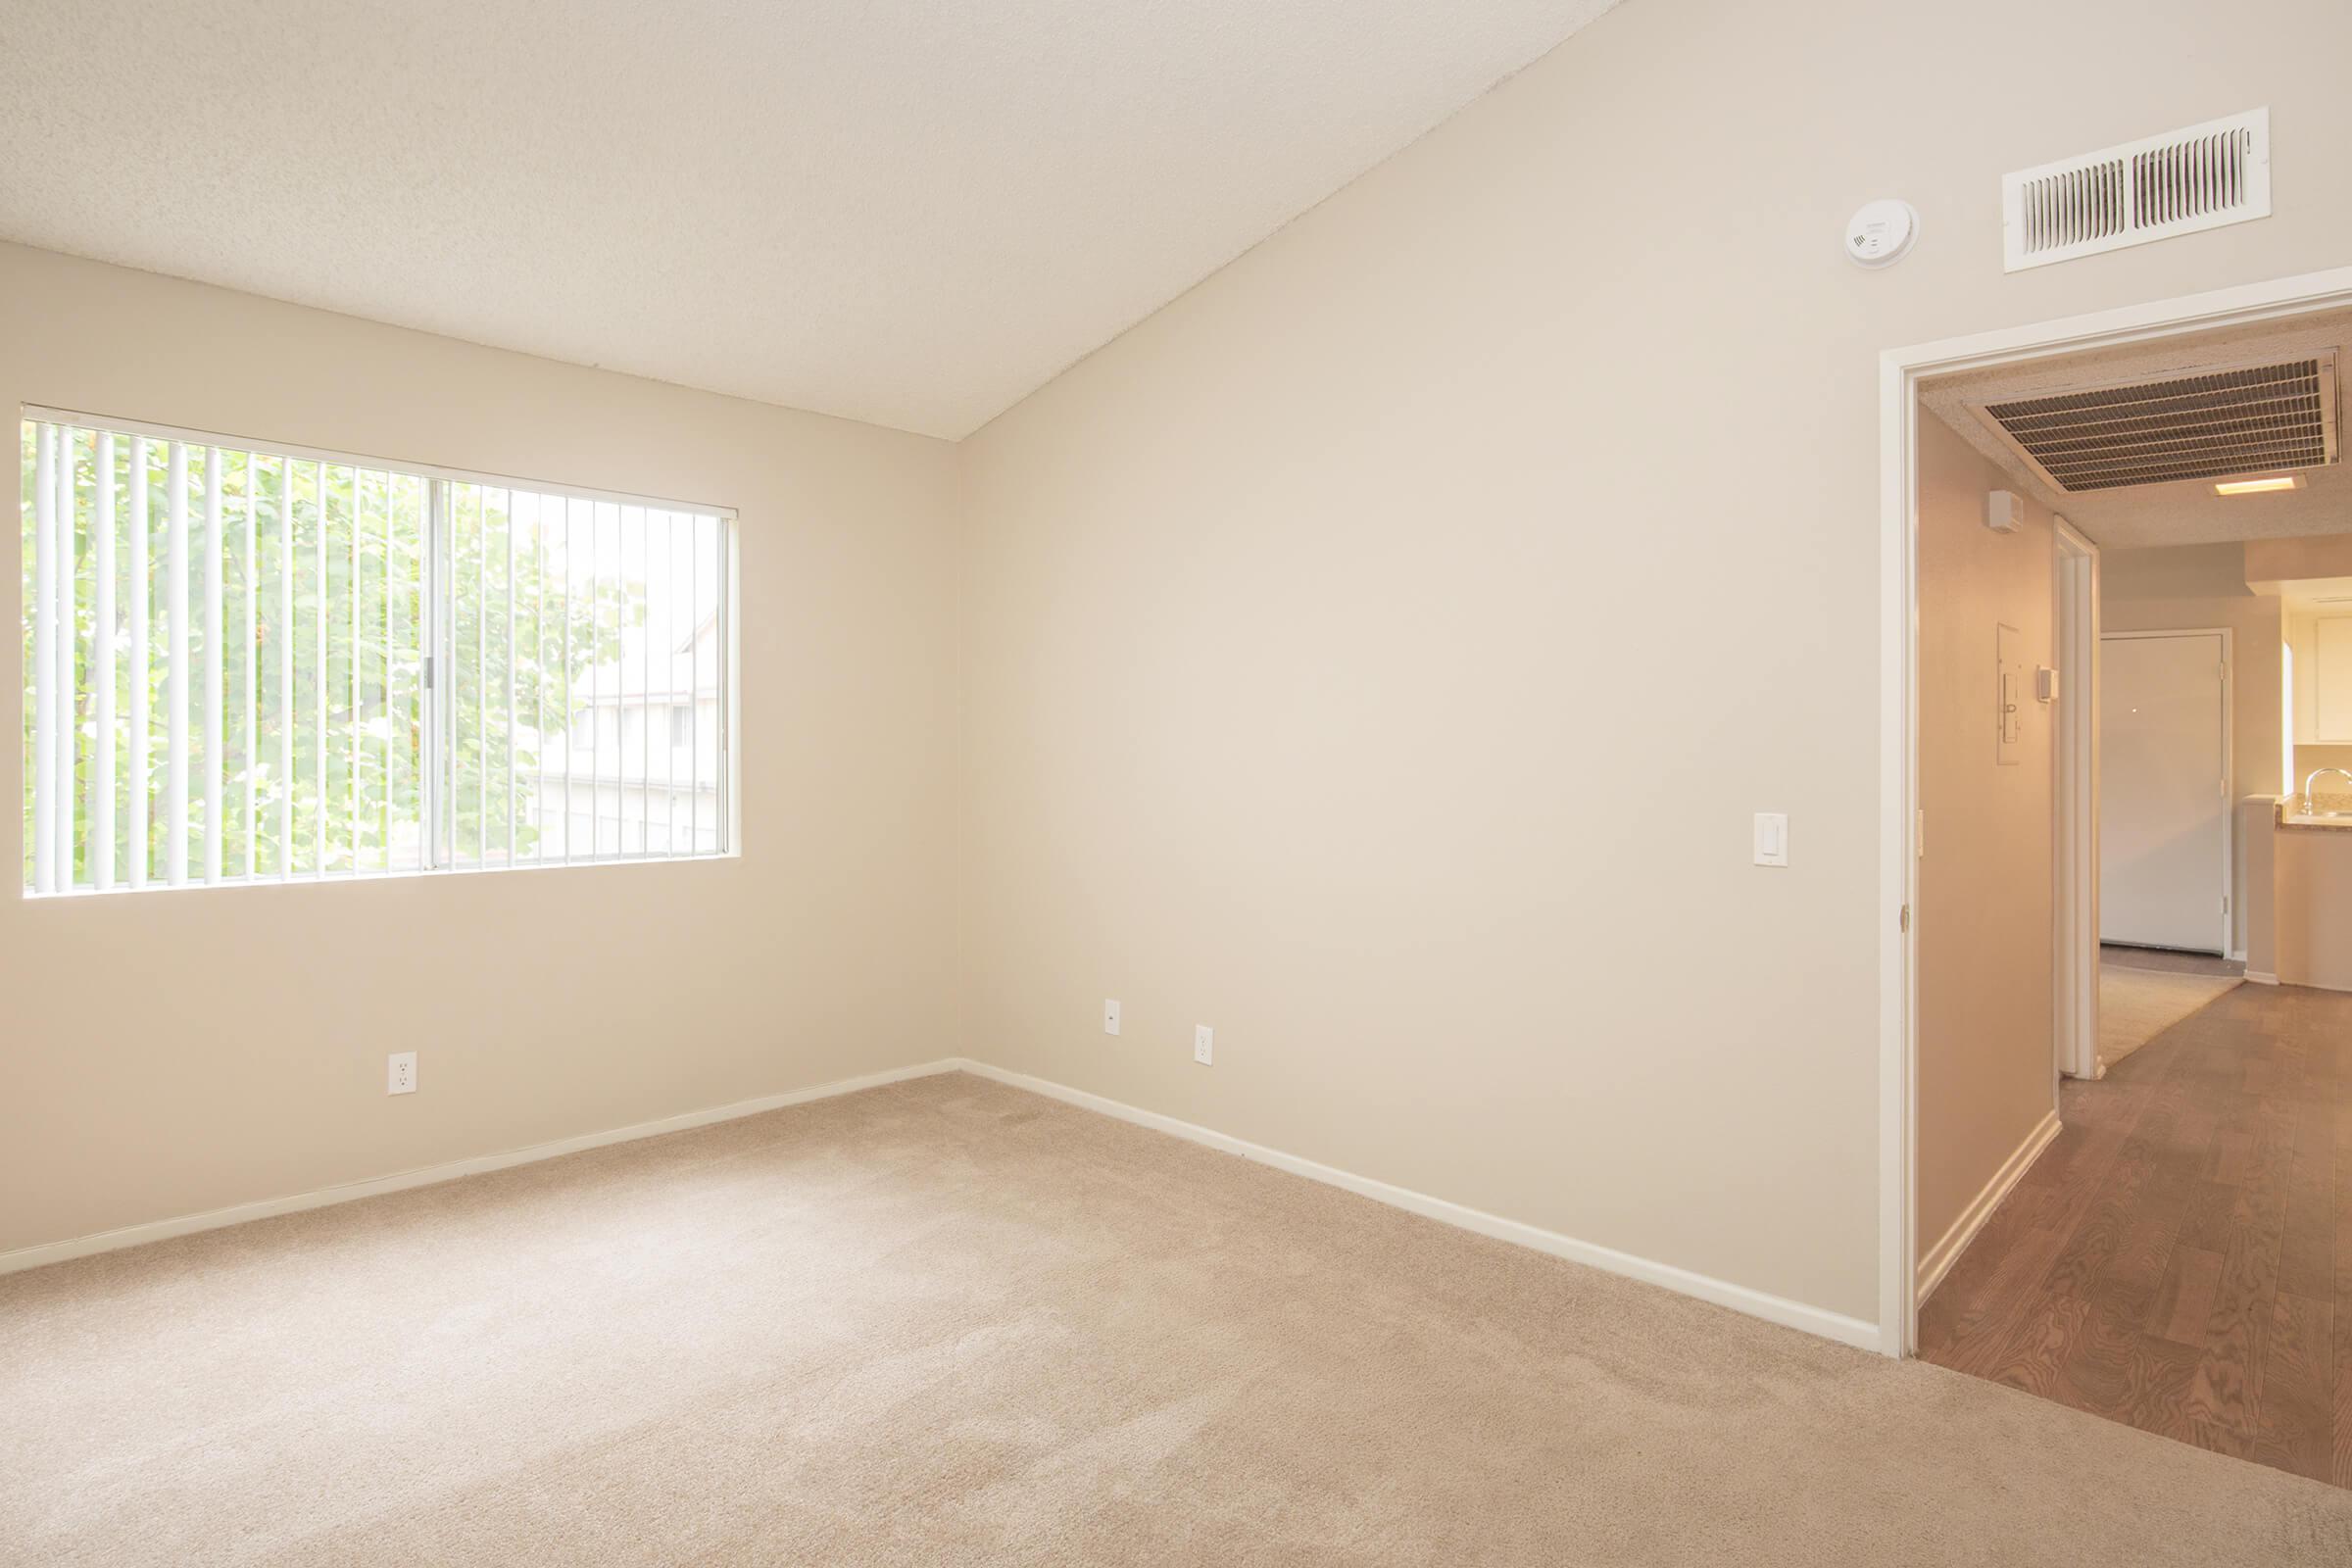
<point>2136,1005</point>
<point>947,1322</point>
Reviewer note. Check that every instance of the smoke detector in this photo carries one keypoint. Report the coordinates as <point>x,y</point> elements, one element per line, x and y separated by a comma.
<point>1881,233</point>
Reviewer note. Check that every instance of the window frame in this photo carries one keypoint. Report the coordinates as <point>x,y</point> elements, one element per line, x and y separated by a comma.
<point>438,605</point>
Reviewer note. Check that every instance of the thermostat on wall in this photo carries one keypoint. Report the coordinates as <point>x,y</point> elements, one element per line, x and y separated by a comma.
<point>1880,233</point>
<point>2004,511</point>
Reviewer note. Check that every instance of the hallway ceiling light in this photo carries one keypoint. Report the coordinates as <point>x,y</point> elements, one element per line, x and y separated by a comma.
<point>2256,487</point>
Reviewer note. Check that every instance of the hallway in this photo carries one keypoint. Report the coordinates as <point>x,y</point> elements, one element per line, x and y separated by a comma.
<point>2180,1259</point>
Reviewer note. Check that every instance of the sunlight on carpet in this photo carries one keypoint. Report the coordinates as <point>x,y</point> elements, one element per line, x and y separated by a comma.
<point>2136,1005</point>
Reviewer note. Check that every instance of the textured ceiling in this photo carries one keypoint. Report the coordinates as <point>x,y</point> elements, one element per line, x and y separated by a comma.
<point>2157,515</point>
<point>912,214</point>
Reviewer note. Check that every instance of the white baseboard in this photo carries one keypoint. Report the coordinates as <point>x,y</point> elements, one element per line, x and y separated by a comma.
<point>2255,978</point>
<point>1938,1259</point>
<point>1738,1298</point>
<point>24,1257</point>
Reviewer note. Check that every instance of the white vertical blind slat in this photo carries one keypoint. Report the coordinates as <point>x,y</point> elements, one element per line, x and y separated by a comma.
<point>434,697</point>
<point>571,729</point>
<point>250,577</point>
<point>720,680</point>
<point>591,658</point>
<point>693,687</point>
<point>319,675</point>
<point>102,666</point>
<point>44,658</point>
<point>142,660</point>
<point>391,714</point>
<point>352,746</point>
<point>645,683</point>
<point>539,676</point>
<point>513,810</point>
<point>69,640</point>
<point>669,676</point>
<point>286,668</point>
<point>213,727</point>
<point>175,706</point>
<point>481,676</point>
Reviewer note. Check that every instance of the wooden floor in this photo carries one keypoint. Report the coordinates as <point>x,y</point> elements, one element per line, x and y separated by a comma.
<point>2179,1259</point>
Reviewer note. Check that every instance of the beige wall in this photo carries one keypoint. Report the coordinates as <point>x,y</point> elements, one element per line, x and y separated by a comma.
<point>1987,1057</point>
<point>2257,817</point>
<point>2310,759</point>
<point>1378,653</point>
<point>171,1053</point>
<point>2272,561</point>
<point>2197,586</point>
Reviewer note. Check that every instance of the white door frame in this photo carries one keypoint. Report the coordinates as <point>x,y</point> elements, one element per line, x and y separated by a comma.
<point>2076,903</point>
<point>1900,370</point>
<point>2226,903</point>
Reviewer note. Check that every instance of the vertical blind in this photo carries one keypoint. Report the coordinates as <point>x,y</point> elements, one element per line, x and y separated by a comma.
<point>254,666</point>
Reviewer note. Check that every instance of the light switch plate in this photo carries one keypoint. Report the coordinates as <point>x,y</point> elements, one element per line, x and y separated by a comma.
<point>1111,1016</point>
<point>2009,695</point>
<point>1772,837</point>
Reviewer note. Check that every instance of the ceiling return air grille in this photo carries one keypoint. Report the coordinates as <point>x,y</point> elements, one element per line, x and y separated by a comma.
<point>2177,183</point>
<point>2207,426</point>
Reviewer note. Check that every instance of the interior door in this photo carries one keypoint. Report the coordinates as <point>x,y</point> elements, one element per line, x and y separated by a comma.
<point>2164,805</point>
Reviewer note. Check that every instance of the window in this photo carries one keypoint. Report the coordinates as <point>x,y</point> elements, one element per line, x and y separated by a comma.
<point>263,666</point>
<point>681,726</point>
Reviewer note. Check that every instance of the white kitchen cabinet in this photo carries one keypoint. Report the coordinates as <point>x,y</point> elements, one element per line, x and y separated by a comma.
<point>2331,682</point>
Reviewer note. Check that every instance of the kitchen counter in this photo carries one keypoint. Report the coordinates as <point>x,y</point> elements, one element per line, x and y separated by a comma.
<point>2308,864</point>
<point>2333,813</point>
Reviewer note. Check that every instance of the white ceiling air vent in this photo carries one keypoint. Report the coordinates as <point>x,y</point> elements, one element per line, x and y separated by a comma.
<point>2203,177</point>
<point>2259,419</point>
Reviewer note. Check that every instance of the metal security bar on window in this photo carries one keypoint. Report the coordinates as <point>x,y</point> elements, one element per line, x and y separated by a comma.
<point>251,666</point>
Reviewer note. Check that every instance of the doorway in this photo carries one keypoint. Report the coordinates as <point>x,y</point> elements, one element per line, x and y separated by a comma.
<point>2129,1227</point>
<point>1904,373</point>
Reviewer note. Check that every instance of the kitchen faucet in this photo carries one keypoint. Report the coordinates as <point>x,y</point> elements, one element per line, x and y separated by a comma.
<point>2315,776</point>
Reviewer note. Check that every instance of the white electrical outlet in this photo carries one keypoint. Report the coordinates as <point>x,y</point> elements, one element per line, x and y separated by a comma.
<point>1204,1040</point>
<point>400,1073</point>
<point>1111,1016</point>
